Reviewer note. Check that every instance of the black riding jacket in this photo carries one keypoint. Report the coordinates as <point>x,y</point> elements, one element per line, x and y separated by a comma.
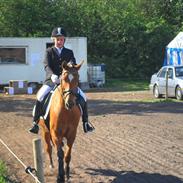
<point>53,62</point>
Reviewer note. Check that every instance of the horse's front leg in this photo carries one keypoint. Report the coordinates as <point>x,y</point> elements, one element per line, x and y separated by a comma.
<point>61,172</point>
<point>57,142</point>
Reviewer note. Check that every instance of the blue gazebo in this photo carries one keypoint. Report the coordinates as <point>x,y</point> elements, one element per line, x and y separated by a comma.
<point>174,51</point>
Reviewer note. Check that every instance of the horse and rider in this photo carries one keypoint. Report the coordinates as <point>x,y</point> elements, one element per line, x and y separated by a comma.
<point>54,58</point>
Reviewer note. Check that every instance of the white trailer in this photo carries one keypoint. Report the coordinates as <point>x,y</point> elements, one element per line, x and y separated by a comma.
<point>22,58</point>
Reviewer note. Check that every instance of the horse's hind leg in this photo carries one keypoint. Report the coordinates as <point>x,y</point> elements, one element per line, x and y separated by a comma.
<point>47,142</point>
<point>68,157</point>
<point>67,161</point>
<point>48,148</point>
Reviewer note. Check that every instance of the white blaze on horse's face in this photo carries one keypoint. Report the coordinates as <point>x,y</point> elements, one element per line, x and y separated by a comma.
<point>70,76</point>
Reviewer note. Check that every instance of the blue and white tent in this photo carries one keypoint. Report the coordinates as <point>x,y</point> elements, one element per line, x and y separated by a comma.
<point>174,51</point>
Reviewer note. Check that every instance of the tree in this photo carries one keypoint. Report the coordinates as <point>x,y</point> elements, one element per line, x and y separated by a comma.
<point>128,36</point>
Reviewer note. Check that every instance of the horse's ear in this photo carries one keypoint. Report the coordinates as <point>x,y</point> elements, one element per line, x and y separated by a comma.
<point>64,65</point>
<point>79,65</point>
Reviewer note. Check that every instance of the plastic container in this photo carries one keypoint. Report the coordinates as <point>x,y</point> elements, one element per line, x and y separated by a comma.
<point>96,75</point>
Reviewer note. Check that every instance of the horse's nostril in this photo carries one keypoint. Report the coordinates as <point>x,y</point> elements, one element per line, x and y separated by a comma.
<point>69,104</point>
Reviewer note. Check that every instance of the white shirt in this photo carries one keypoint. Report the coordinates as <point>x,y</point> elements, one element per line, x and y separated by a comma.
<point>59,50</point>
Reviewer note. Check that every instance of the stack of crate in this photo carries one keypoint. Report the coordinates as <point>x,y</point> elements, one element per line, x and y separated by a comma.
<point>18,87</point>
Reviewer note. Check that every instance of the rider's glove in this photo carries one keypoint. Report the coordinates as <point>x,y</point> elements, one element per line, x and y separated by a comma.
<point>55,79</point>
<point>70,64</point>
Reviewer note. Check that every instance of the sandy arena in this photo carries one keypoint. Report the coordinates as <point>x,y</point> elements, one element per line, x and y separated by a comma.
<point>134,142</point>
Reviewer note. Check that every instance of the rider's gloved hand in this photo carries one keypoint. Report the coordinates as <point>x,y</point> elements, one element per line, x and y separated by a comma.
<point>55,79</point>
<point>70,64</point>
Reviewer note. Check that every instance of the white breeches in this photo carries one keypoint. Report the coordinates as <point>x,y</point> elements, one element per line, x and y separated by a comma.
<point>45,89</point>
<point>82,94</point>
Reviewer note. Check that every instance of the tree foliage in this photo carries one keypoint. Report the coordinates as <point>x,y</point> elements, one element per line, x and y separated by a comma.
<point>128,36</point>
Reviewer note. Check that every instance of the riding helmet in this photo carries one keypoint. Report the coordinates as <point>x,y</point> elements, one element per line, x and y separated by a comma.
<point>58,31</point>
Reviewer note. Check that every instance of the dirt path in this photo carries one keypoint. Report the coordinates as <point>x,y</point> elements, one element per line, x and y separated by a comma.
<point>134,142</point>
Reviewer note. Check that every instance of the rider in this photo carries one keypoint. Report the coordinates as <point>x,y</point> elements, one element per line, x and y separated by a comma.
<point>52,65</point>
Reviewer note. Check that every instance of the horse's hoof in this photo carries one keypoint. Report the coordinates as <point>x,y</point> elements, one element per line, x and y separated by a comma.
<point>67,178</point>
<point>60,180</point>
<point>68,181</point>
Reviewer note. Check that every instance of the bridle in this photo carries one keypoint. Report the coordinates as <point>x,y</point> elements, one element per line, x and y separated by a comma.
<point>65,93</point>
<point>72,91</point>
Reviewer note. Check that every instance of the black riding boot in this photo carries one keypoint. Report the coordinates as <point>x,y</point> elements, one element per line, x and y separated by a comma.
<point>36,116</point>
<point>87,126</point>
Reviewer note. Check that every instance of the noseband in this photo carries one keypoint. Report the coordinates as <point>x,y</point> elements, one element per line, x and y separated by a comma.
<point>69,92</point>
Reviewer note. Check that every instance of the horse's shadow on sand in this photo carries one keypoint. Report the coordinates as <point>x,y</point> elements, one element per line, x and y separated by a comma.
<point>134,177</point>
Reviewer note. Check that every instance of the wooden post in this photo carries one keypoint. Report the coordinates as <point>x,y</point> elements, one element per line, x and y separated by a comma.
<point>38,159</point>
<point>166,94</point>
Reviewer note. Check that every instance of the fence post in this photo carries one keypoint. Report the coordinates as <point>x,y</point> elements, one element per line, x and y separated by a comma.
<point>166,94</point>
<point>38,159</point>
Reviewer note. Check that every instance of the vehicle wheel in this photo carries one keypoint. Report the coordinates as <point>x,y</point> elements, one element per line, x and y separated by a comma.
<point>156,92</point>
<point>178,93</point>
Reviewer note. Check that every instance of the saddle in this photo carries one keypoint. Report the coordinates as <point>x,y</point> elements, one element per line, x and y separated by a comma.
<point>45,107</point>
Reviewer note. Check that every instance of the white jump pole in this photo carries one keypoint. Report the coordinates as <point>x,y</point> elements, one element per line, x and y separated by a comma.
<point>38,159</point>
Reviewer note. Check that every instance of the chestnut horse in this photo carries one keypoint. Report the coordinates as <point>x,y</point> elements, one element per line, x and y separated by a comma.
<point>64,119</point>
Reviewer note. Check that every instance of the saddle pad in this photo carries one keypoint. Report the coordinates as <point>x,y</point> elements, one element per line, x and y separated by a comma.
<point>47,104</point>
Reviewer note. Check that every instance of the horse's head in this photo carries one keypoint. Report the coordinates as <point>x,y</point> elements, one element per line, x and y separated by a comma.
<point>69,83</point>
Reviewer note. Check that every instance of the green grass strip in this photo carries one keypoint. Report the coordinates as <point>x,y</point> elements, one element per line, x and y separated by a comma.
<point>3,172</point>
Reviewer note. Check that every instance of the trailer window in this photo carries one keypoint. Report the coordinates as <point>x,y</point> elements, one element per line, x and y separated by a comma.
<point>49,45</point>
<point>12,55</point>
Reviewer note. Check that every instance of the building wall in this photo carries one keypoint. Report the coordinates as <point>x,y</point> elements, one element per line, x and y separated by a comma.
<point>33,70</point>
